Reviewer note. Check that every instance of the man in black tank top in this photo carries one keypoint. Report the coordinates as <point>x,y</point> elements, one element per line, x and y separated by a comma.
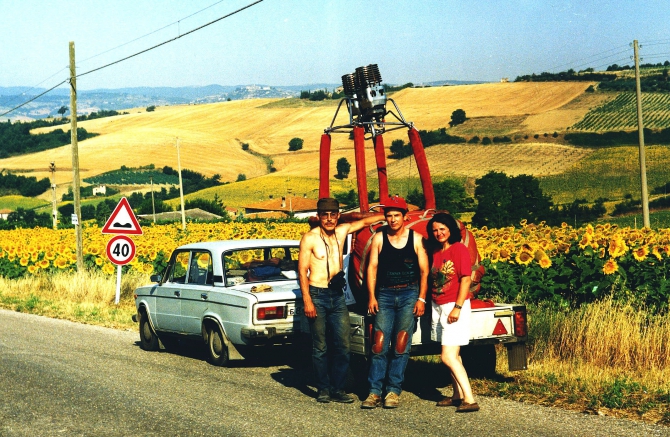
<point>397,281</point>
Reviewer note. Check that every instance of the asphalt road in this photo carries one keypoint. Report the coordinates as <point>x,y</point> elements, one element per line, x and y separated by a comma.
<point>59,378</point>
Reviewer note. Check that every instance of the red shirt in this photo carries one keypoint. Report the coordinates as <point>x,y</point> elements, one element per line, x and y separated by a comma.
<point>449,266</point>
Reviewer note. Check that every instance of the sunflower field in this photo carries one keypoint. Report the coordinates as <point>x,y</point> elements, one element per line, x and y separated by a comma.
<point>31,251</point>
<point>567,266</point>
<point>527,263</point>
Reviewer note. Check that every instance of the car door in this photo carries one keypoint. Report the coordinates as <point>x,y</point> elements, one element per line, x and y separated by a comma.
<point>168,295</point>
<point>195,293</point>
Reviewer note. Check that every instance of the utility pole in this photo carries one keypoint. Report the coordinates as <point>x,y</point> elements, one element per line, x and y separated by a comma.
<point>54,211</point>
<point>640,134</point>
<point>75,161</point>
<point>181,190</point>
<point>153,205</point>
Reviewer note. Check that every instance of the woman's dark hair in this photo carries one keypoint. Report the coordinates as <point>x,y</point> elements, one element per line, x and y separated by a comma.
<point>448,221</point>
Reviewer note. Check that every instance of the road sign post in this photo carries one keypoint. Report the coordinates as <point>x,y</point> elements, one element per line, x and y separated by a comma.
<point>121,249</point>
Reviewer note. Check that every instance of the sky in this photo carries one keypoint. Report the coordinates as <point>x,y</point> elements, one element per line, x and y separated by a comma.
<point>298,42</point>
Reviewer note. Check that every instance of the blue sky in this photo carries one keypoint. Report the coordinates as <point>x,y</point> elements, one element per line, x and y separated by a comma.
<point>297,42</point>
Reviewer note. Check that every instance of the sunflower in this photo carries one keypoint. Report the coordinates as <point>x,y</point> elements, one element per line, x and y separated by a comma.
<point>60,262</point>
<point>44,263</point>
<point>545,262</point>
<point>657,253</point>
<point>24,261</point>
<point>610,267</point>
<point>640,254</point>
<point>504,254</point>
<point>33,268</point>
<point>563,247</point>
<point>523,258</point>
<point>493,256</point>
<point>585,241</point>
<point>617,247</point>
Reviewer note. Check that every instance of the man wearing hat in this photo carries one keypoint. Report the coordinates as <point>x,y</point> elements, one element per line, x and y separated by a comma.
<point>322,285</point>
<point>397,281</point>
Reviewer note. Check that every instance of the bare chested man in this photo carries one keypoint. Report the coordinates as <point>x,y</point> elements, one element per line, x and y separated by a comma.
<point>322,286</point>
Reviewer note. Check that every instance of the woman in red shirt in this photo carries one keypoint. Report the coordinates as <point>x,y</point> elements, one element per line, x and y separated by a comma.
<point>450,275</point>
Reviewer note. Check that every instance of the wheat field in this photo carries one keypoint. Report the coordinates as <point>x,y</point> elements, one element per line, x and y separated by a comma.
<point>211,135</point>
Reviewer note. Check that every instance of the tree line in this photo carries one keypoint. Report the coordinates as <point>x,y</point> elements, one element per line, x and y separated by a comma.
<point>25,186</point>
<point>15,138</point>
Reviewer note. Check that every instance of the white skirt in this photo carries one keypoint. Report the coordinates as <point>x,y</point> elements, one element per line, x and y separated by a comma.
<point>450,334</point>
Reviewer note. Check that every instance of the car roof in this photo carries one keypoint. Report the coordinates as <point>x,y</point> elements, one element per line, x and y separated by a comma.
<point>225,245</point>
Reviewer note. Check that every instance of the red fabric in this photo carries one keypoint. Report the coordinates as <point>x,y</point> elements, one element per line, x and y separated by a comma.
<point>380,156</point>
<point>324,166</point>
<point>449,266</point>
<point>422,165</point>
<point>478,303</point>
<point>361,179</point>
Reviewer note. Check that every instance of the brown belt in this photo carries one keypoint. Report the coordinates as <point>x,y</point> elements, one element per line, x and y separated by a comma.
<point>400,285</point>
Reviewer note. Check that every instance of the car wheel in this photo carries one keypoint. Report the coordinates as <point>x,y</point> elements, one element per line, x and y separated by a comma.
<point>148,338</point>
<point>218,351</point>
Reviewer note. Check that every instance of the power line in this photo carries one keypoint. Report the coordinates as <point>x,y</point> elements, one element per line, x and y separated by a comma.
<point>150,33</point>
<point>34,98</point>
<point>589,59</point>
<point>140,52</point>
<point>171,40</point>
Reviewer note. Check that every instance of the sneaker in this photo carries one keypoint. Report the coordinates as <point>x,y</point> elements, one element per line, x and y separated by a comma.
<point>341,396</point>
<point>324,396</point>
<point>392,400</point>
<point>449,402</point>
<point>372,401</point>
<point>467,408</point>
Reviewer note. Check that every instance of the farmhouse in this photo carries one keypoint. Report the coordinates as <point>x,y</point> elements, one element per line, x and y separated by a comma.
<point>4,213</point>
<point>100,189</point>
<point>299,207</point>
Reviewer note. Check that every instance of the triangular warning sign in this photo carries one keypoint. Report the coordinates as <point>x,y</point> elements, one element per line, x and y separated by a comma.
<point>499,329</point>
<point>122,220</point>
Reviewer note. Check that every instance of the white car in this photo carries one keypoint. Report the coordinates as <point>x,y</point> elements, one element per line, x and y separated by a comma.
<point>227,294</point>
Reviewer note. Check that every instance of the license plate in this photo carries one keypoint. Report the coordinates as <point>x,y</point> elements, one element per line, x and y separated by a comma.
<point>295,310</point>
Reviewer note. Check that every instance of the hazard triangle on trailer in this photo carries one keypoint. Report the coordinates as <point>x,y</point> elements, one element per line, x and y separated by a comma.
<point>122,220</point>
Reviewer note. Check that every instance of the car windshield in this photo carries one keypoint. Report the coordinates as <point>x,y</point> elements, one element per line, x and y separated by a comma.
<point>261,264</point>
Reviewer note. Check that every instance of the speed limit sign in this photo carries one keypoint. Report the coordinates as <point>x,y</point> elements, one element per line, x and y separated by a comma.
<point>120,250</point>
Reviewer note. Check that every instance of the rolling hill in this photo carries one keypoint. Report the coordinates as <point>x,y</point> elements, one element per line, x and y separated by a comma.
<point>211,135</point>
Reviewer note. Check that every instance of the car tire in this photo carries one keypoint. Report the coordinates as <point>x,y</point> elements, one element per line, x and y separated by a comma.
<point>216,347</point>
<point>148,337</point>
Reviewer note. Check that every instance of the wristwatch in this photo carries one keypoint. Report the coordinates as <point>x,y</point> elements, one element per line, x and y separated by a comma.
<point>457,306</point>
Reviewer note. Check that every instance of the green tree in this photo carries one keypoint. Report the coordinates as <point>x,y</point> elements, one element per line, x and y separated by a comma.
<point>457,117</point>
<point>295,144</point>
<point>504,201</point>
<point>62,111</point>
<point>151,108</point>
<point>399,149</point>
<point>343,168</point>
<point>347,199</point>
<point>494,200</point>
<point>241,177</point>
<point>450,196</point>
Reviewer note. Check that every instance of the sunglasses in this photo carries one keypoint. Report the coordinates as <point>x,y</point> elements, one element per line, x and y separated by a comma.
<point>329,214</point>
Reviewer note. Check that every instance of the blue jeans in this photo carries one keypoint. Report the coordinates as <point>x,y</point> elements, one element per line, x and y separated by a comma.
<point>395,316</point>
<point>331,325</point>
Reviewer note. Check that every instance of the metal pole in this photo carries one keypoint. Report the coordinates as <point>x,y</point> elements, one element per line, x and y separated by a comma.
<point>153,205</point>
<point>54,201</point>
<point>640,134</point>
<point>75,160</point>
<point>181,190</point>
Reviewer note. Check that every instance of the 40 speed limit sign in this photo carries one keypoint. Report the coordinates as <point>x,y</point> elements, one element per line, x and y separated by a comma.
<point>121,250</point>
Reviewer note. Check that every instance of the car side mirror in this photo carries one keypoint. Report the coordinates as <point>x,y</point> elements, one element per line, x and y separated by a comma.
<point>155,278</point>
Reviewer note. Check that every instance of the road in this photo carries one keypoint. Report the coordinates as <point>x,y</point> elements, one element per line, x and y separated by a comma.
<point>59,378</point>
